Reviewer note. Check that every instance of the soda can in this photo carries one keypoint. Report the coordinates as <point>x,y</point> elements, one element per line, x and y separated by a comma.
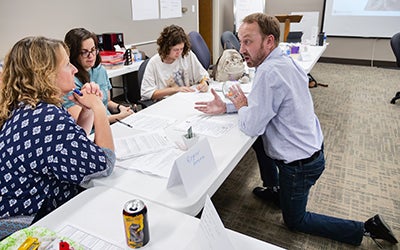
<point>135,222</point>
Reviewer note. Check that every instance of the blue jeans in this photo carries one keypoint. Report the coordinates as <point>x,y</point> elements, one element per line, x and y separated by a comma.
<point>295,183</point>
<point>268,168</point>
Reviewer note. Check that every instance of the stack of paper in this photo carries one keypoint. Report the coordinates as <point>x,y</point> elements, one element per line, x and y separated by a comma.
<point>141,144</point>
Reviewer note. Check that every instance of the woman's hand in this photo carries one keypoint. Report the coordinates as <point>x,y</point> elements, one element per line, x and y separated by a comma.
<point>202,86</point>
<point>185,89</point>
<point>86,100</point>
<point>124,111</point>
<point>92,88</point>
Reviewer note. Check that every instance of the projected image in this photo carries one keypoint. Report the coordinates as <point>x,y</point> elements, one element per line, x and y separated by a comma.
<point>366,7</point>
<point>361,18</point>
<point>383,5</point>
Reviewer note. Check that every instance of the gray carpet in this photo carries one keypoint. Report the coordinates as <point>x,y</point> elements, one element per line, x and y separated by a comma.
<point>362,176</point>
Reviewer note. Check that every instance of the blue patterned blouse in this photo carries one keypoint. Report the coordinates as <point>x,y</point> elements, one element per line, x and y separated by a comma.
<point>44,157</point>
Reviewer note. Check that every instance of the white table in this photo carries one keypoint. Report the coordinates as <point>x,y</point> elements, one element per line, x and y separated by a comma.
<point>308,56</point>
<point>122,71</point>
<point>98,212</point>
<point>228,150</point>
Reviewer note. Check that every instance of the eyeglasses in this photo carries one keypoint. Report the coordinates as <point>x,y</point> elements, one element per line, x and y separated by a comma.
<point>86,53</point>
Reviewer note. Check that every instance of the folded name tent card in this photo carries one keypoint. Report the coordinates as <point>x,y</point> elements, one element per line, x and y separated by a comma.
<point>211,233</point>
<point>193,167</point>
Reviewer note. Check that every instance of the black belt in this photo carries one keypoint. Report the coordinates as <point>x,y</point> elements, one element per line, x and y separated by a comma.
<point>304,161</point>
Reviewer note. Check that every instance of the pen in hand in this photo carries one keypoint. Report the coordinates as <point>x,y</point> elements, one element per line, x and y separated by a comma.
<point>126,124</point>
<point>77,91</point>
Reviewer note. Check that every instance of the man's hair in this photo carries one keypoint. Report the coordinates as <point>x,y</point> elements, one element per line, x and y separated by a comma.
<point>74,39</point>
<point>29,74</point>
<point>269,25</point>
<point>171,36</point>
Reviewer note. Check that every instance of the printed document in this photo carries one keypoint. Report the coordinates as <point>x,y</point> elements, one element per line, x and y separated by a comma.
<point>148,122</point>
<point>157,164</point>
<point>86,240</point>
<point>141,144</point>
<point>206,125</point>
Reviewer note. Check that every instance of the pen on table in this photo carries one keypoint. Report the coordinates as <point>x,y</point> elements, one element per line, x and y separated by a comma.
<point>77,91</point>
<point>126,124</point>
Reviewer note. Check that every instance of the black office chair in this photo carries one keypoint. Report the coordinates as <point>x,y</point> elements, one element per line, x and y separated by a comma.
<point>230,41</point>
<point>395,44</point>
<point>141,70</point>
<point>200,49</point>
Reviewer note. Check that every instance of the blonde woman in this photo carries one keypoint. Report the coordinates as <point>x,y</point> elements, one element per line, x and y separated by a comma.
<point>44,154</point>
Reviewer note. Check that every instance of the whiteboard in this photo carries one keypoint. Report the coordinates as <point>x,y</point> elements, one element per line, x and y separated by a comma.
<point>242,8</point>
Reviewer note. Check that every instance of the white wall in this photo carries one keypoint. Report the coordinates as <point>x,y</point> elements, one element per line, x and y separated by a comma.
<point>20,18</point>
<point>339,47</point>
<point>53,18</point>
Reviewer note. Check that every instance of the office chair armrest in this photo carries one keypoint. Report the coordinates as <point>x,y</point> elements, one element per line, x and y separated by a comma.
<point>145,103</point>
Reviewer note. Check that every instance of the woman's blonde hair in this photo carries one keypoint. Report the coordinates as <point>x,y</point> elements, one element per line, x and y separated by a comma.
<point>29,75</point>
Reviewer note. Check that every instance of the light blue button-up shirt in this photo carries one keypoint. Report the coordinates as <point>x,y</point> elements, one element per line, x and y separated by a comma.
<point>280,108</point>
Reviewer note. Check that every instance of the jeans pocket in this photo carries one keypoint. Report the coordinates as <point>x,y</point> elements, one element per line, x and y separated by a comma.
<point>313,171</point>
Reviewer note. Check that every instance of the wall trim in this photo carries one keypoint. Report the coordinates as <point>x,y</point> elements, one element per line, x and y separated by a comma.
<point>382,64</point>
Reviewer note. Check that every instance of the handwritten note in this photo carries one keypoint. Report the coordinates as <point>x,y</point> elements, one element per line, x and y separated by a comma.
<point>193,167</point>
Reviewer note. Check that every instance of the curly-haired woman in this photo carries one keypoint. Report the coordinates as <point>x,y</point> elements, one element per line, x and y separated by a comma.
<point>174,69</point>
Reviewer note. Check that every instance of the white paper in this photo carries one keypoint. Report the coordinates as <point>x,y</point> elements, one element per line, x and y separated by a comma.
<point>206,125</point>
<point>193,167</point>
<point>144,10</point>
<point>141,144</point>
<point>196,96</point>
<point>217,86</point>
<point>145,122</point>
<point>246,7</point>
<point>170,8</point>
<point>86,240</point>
<point>307,25</point>
<point>211,234</point>
<point>157,164</point>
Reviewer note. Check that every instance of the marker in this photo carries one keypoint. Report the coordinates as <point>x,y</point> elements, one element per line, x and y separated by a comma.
<point>77,91</point>
<point>189,133</point>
